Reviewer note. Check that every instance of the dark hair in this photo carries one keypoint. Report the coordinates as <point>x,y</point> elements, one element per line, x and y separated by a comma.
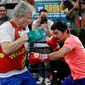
<point>43,10</point>
<point>3,5</point>
<point>60,25</point>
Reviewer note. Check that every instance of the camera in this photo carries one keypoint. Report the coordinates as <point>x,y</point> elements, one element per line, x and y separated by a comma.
<point>43,19</point>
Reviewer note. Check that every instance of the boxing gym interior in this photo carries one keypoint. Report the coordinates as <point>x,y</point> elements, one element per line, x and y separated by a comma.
<point>52,72</point>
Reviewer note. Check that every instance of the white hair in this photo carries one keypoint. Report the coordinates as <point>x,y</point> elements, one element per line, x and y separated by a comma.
<point>22,9</point>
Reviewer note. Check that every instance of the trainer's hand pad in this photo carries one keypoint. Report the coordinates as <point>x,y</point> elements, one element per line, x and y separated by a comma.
<point>36,35</point>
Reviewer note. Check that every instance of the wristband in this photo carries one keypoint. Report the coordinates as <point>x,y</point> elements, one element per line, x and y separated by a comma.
<point>45,57</point>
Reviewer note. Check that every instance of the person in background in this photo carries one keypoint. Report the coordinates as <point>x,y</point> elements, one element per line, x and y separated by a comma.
<point>67,4</point>
<point>3,14</point>
<point>72,51</point>
<point>74,17</point>
<point>12,50</point>
<point>10,4</point>
<point>42,22</point>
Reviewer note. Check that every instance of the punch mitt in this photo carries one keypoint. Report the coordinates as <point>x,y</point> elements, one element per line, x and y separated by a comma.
<point>36,35</point>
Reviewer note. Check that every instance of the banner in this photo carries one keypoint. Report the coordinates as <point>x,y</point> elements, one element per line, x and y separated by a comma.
<point>53,8</point>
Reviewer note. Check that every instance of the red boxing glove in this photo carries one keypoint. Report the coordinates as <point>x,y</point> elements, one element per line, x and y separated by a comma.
<point>53,43</point>
<point>38,58</point>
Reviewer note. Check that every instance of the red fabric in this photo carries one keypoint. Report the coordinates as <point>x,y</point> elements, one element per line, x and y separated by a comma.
<point>38,58</point>
<point>15,60</point>
<point>82,22</point>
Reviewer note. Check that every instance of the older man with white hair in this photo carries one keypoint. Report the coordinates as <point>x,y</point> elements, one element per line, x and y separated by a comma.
<point>12,50</point>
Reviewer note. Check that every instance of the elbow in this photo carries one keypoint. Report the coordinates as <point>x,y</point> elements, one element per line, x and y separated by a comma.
<point>62,7</point>
<point>6,51</point>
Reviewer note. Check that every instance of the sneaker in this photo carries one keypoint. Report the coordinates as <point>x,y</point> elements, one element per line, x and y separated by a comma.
<point>40,80</point>
<point>47,81</point>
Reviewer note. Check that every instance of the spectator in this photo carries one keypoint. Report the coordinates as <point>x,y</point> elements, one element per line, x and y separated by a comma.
<point>10,6</point>
<point>67,4</point>
<point>3,16</point>
<point>73,16</point>
<point>43,22</point>
<point>12,50</point>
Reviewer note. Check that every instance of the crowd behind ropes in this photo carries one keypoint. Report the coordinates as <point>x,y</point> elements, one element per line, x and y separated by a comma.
<point>19,31</point>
